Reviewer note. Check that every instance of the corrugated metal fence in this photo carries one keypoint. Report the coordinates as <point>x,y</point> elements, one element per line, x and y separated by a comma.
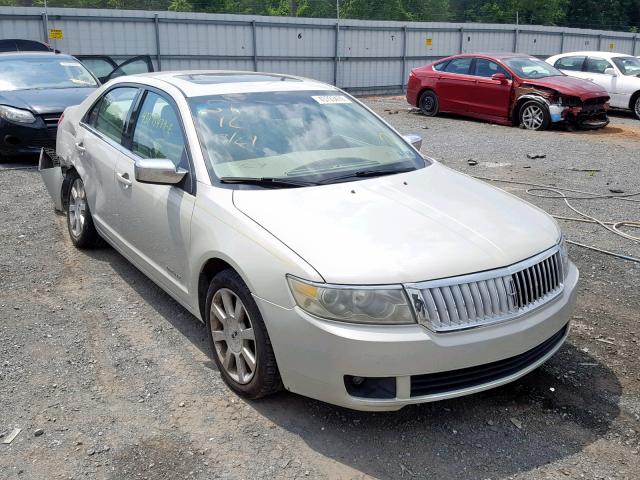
<point>358,55</point>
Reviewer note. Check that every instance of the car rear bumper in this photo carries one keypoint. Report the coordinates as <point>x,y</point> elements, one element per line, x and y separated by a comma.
<point>404,365</point>
<point>413,89</point>
<point>52,176</point>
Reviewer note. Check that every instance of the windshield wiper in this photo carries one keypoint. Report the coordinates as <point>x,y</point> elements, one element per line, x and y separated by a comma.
<point>267,182</point>
<point>368,173</point>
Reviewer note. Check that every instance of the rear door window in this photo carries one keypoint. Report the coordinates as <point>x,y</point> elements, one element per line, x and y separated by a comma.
<point>570,63</point>
<point>112,112</point>
<point>141,64</point>
<point>459,65</point>
<point>101,67</point>
<point>440,66</point>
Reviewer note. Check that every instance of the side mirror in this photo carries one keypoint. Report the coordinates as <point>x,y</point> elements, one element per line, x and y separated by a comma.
<point>499,77</point>
<point>158,170</point>
<point>610,71</point>
<point>415,140</point>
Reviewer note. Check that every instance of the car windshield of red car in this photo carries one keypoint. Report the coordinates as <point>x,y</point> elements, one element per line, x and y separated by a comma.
<point>531,68</point>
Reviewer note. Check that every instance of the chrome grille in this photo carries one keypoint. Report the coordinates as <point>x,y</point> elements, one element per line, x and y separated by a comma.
<point>488,297</point>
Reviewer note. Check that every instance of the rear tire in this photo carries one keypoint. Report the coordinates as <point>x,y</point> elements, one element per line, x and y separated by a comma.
<point>82,231</point>
<point>429,104</point>
<point>239,340</point>
<point>534,116</point>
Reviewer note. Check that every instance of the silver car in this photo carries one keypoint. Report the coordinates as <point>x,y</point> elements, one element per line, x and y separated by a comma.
<point>324,252</point>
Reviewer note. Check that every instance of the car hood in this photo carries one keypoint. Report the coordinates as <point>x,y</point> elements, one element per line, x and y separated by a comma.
<point>45,101</point>
<point>422,225</point>
<point>570,86</point>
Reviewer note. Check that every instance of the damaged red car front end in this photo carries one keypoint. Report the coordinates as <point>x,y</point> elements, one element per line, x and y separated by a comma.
<point>571,100</point>
<point>509,89</point>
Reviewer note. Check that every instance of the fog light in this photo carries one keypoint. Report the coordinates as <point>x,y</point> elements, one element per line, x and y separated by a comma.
<point>370,387</point>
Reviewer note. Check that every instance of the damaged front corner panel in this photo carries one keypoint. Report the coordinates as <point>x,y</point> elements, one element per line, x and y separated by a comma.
<point>542,95</point>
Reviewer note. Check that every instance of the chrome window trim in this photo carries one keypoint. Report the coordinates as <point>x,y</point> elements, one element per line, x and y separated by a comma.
<point>415,292</point>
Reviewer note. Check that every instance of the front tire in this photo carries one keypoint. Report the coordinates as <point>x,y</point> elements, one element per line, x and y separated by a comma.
<point>429,103</point>
<point>239,340</point>
<point>534,116</point>
<point>79,220</point>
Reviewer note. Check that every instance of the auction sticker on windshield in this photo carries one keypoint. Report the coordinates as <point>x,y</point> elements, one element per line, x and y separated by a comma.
<point>330,99</point>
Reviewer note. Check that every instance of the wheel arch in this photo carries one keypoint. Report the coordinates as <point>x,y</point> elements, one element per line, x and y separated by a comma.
<point>515,116</point>
<point>422,91</point>
<point>633,99</point>
<point>210,269</point>
<point>69,174</point>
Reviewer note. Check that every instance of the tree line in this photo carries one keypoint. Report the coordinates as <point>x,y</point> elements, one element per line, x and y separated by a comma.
<point>621,15</point>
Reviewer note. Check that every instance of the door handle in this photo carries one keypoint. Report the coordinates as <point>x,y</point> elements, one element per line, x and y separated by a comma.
<point>80,148</point>
<point>590,79</point>
<point>124,179</point>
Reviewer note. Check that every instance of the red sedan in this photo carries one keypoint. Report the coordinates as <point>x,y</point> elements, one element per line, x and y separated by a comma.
<point>509,89</point>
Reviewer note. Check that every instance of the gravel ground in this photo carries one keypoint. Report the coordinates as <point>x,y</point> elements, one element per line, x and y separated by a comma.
<point>121,381</point>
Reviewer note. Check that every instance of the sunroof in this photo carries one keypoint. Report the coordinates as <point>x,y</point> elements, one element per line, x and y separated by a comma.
<point>216,78</point>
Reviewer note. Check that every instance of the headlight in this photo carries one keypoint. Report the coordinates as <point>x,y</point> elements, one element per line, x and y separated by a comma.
<point>373,305</point>
<point>16,115</point>
<point>564,256</point>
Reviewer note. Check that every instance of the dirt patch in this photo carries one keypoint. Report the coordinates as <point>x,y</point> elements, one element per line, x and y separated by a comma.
<point>613,133</point>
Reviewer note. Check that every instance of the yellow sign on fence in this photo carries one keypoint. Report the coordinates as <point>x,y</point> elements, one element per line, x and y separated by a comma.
<point>428,42</point>
<point>56,34</point>
<point>612,46</point>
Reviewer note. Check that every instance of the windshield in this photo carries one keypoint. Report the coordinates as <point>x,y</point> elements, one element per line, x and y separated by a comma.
<point>627,65</point>
<point>309,136</point>
<point>43,72</point>
<point>531,67</point>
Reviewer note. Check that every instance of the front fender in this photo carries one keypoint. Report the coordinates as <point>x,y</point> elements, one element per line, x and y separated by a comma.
<point>555,110</point>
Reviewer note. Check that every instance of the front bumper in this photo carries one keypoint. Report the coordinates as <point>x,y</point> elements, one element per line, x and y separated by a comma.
<point>314,355</point>
<point>26,139</point>
<point>587,117</point>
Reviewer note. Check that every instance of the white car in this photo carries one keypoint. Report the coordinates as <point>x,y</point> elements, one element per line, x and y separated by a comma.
<point>324,253</point>
<point>617,73</point>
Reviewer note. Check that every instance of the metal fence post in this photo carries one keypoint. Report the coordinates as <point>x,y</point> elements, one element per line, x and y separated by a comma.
<point>600,42</point>
<point>562,43</point>
<point>336,57</point>
<point>255,45</point>
<point>635,45</point>
<point>461,39</point>
<point>516,31</point>
<point>404,56</point>
<point>45,28</point>
<point>156,22</point>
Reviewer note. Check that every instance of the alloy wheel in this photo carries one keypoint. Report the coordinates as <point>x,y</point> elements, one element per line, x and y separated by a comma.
<point>533,117</point>
<point>233,336</point>
<point>637,107</point>
<point>77,207</point>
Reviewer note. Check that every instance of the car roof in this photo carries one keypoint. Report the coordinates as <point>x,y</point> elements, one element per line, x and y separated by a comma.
<point>494,55</point>
<point>593,53</point>
<point>5,55</point>
<point>196,83</point>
